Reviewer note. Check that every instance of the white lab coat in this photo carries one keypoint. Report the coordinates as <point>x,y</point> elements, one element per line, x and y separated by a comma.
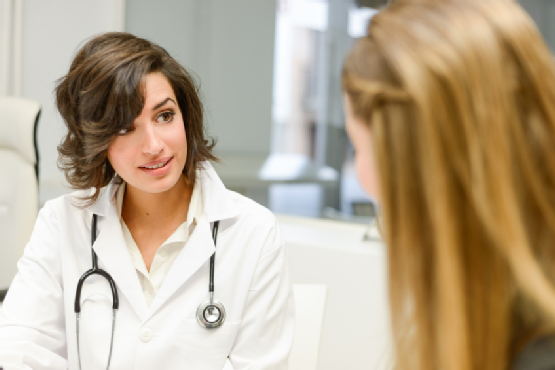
<point>38,324</point>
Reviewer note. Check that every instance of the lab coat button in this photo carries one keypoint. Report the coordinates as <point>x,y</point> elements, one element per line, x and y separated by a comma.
<point>164,253</point>
<point>146,335</point>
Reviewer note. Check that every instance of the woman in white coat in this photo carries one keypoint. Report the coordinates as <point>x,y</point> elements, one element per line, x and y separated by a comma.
<point>136,149</point>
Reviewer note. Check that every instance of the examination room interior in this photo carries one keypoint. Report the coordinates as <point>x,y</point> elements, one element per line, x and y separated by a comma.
<point>269,72</point>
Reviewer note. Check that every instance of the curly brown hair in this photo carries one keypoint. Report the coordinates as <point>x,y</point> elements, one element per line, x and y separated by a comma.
<point>103,93</point>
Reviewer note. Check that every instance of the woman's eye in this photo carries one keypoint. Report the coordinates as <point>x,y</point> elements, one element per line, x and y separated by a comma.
<point>127,130</point>
<point>165,117</point>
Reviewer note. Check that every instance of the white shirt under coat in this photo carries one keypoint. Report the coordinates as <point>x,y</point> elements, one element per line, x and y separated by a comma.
<point>151,280</point>
<point>37,321</point>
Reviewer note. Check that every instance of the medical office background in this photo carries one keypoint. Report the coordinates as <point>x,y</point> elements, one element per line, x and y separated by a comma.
<point>269,72</point>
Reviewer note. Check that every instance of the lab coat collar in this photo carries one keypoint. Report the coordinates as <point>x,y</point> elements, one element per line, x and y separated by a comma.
<point>114,256</point>
<point>218,203</point>
<point>106,198</point>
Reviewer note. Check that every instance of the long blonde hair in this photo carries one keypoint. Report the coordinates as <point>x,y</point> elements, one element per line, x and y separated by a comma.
<point>460,99</point>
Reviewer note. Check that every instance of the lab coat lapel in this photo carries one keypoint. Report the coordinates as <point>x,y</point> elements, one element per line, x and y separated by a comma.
<point>196,252</point>
<point>218,205</point>
<point>113,254</point>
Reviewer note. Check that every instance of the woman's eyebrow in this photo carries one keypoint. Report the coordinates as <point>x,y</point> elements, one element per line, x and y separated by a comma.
<point>163,102</point>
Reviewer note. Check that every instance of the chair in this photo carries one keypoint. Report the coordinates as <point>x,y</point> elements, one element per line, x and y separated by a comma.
<point>18,182</point>
<point>310,302</point>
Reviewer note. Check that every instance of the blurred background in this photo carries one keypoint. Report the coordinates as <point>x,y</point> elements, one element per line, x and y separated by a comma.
<point>269,71</point>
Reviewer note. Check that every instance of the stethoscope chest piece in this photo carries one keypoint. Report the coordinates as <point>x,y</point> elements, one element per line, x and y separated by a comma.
<point>211,314</point>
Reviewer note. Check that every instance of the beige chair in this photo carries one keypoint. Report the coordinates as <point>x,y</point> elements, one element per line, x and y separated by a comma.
<point>18,182</point>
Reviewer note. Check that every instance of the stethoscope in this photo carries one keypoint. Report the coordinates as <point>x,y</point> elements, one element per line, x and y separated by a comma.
<point>210,314</point>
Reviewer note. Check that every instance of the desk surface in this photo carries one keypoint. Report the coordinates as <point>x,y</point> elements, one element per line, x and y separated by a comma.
<point>337,235</point>
<point>261,170</point>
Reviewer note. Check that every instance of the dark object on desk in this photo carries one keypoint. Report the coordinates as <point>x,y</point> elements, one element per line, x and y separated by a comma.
<point>537,355</point>
<point>364,209</point>
<point>371,3</point>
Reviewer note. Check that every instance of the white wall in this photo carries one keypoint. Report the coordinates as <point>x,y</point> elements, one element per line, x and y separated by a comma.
<point>175,30</point>
<point>52,31</point>
<point>3,80</point>
<point>230,45</point>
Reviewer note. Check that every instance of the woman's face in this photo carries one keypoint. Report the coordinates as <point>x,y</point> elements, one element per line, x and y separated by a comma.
<point>361,137</point>
<point>151,154</point>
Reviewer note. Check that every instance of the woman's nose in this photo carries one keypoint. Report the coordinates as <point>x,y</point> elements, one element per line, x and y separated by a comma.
<point>152,142</point>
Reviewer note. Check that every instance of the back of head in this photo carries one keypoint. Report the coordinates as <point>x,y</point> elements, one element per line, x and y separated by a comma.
<point>459,98</point>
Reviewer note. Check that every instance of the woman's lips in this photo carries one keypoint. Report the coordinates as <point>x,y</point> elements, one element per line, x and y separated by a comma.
<point>156,162</point>
<point>158,171</point>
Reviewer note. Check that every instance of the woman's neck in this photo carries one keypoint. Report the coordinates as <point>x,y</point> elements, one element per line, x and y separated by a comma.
<point>154,210</point>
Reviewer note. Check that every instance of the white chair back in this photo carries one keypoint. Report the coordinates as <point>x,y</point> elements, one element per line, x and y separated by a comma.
<point>310,302</point>
<point>18,182</point>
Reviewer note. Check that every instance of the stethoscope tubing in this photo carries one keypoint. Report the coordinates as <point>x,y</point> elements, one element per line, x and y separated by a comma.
<point>213,257</point>
<point>95,271</point>
<point>201,311</point>
<point>206,310</point>
<point>115,298</point>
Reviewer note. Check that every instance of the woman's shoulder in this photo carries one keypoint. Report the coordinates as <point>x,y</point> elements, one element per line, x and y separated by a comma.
<point>74,200</point>
<point>251,210</point>
<point>539,354</point>
<point>79,200</point>
<point>257,218</point>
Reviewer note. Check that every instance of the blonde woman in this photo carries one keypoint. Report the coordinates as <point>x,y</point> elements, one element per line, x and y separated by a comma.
<point>451,109</point>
